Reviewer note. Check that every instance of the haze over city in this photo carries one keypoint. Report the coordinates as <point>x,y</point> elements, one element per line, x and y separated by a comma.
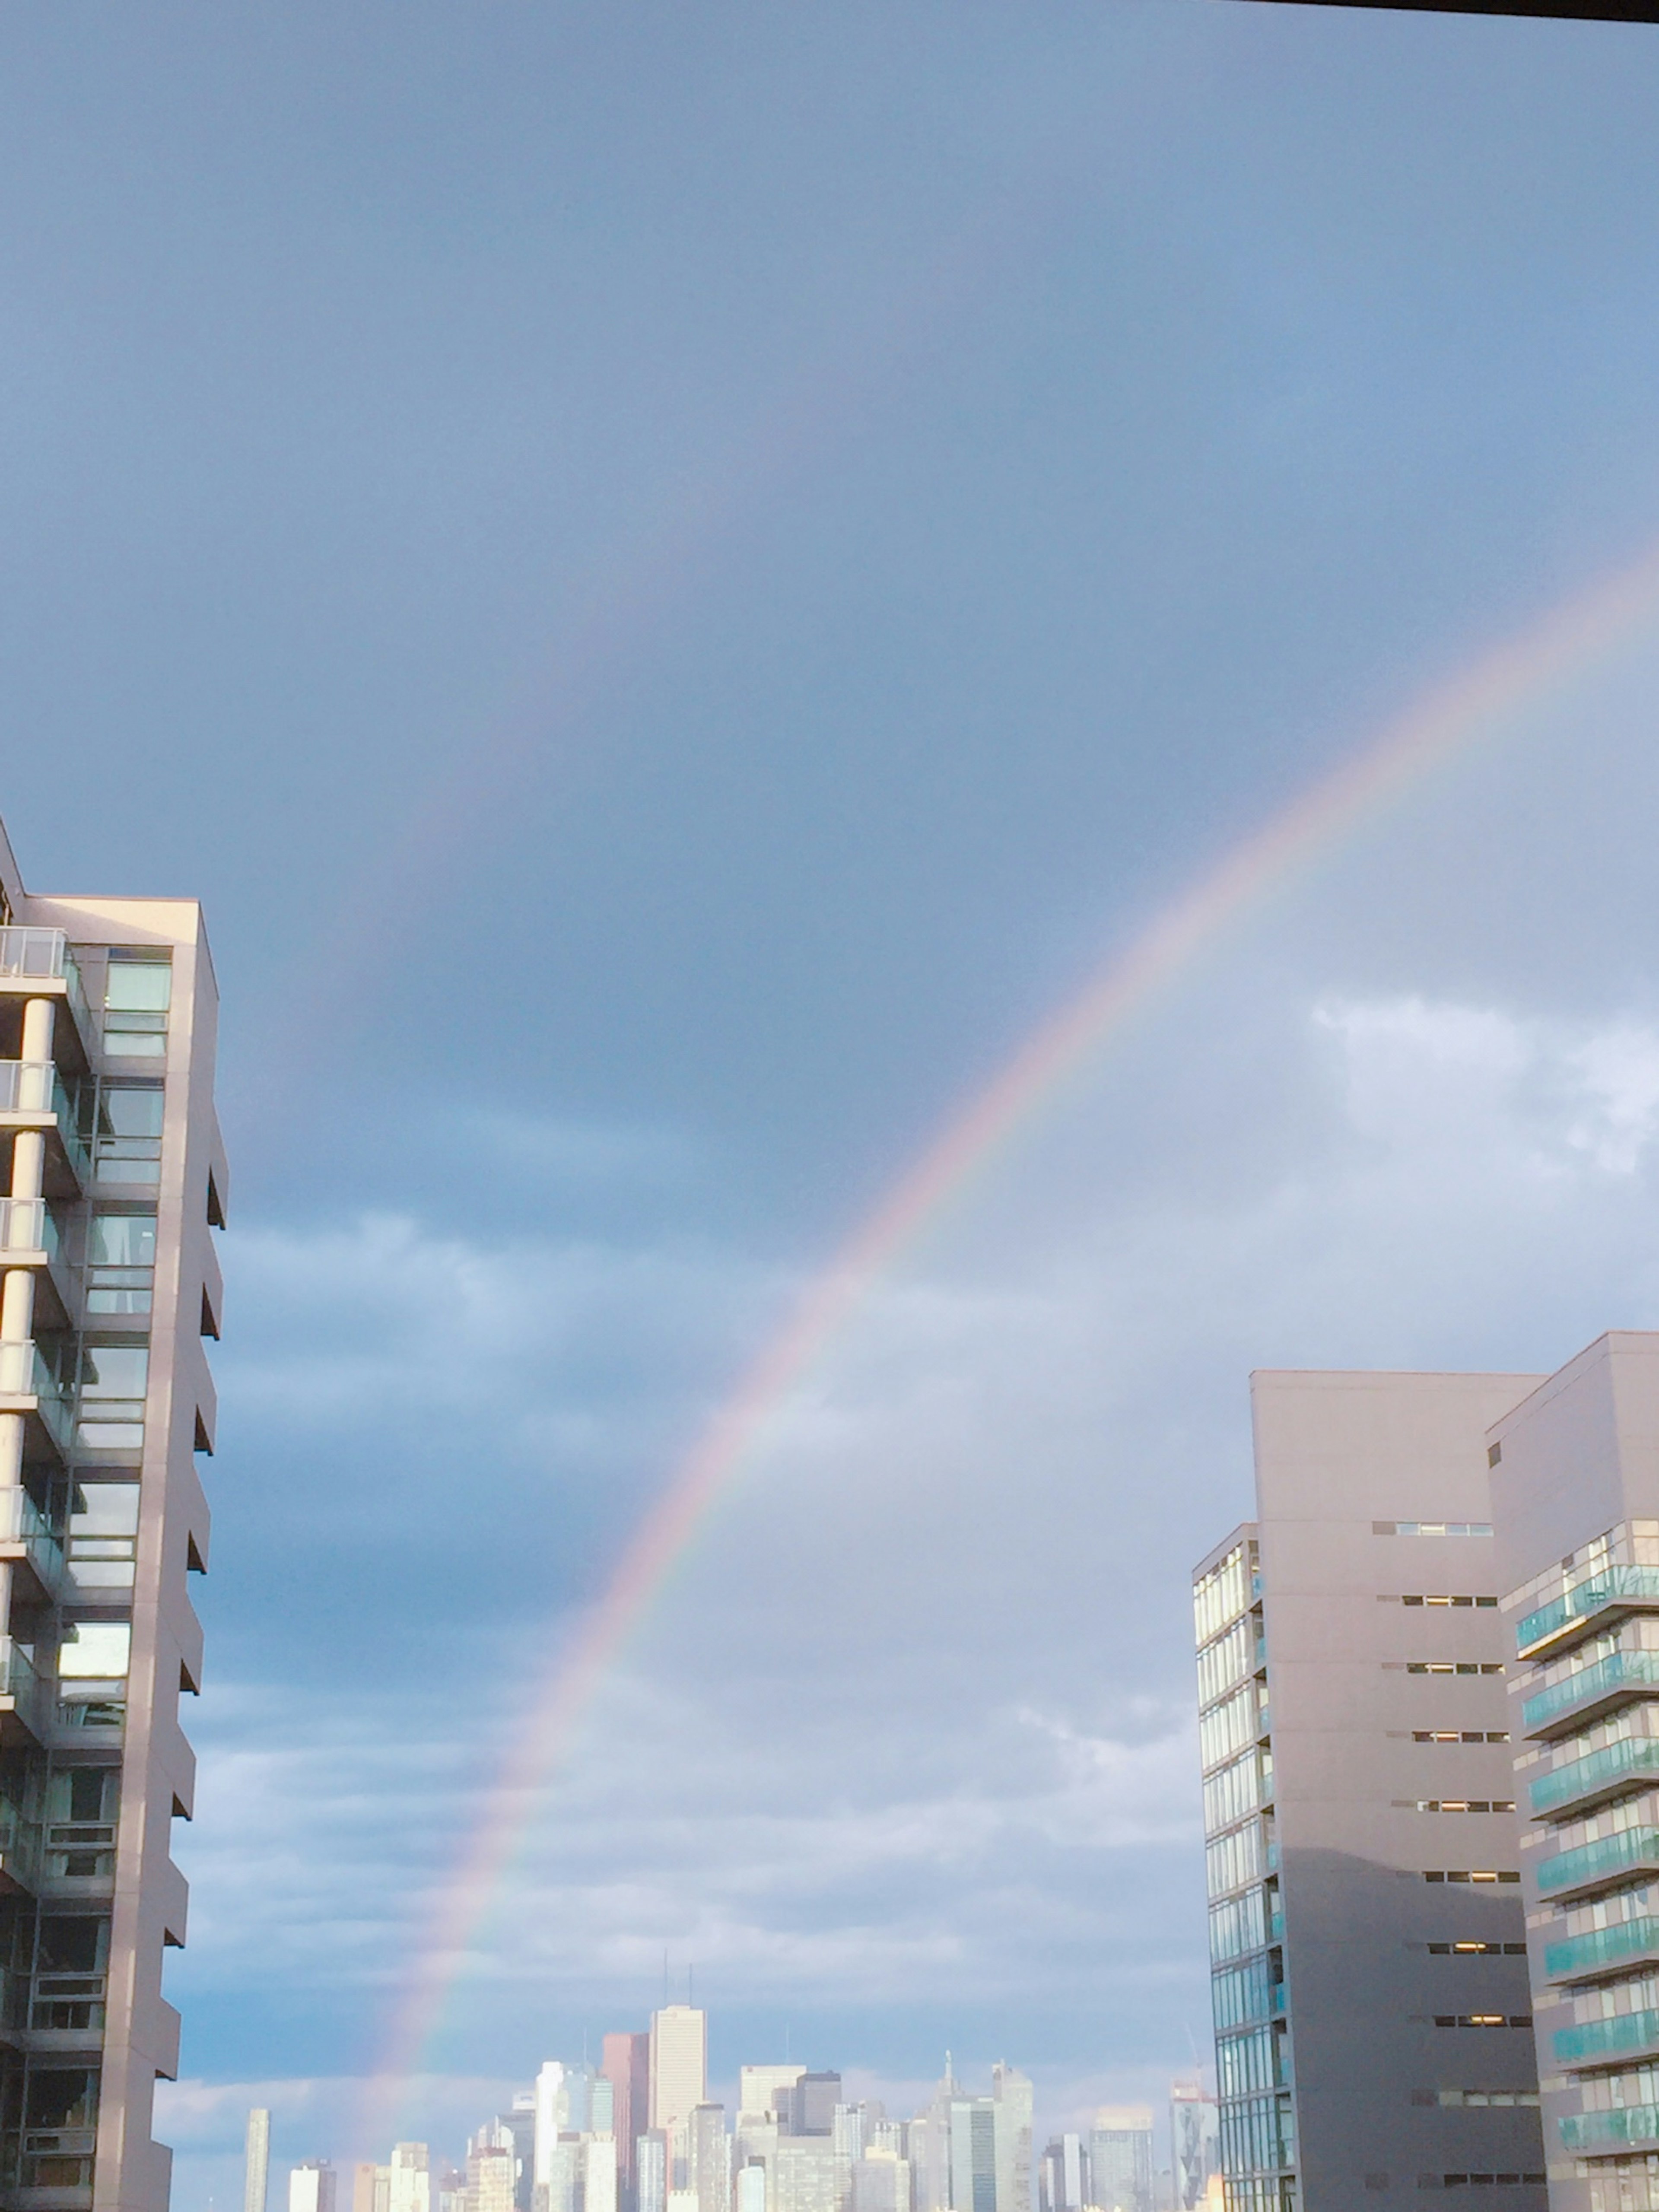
<point>678,584</point>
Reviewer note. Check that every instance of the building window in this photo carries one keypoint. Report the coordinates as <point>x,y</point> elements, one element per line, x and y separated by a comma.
<point>127,1134</point>
<point>137,995</point>
<point>121,1260</point>
<point>103,1534</point>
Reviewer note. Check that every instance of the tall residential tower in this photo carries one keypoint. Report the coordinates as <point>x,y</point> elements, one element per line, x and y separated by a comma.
<point>113,1174</point>
<point>1372,2013</point>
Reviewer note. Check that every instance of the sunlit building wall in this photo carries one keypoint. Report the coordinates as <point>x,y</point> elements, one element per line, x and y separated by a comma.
<point>1373,2021</point>
<point>113,1174</point>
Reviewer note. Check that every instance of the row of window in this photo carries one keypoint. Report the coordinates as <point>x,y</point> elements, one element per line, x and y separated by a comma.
<point>1455,1804</point>
<point>1485,1604</point>
<point>1469,1873</point>
<point>1479,1950</point>
<point>1483,2019</point>
<point>1460,1736</point>
<point>1446,1666</point>
<point>1431,1527</point>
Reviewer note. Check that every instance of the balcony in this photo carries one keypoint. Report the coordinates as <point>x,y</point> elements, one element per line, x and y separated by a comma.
<point>23,1694</point>
<point>1598,1774</point>
<point>1594,1864</point>
<point>33,1097</point>
<point>1584,1958</point>
<point>26,1538</point>
<point>38,964</point>
<point>1634,2127</point>
<point>27,1386</point>
<point>1615,1590</point>
<point>1576,1698</point>
<point>1598,2040</point>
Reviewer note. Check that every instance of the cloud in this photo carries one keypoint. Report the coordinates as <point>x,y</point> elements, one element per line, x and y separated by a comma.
<point>908,1736</point>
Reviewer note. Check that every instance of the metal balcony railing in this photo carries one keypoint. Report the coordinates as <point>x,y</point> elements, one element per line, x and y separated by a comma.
<point>1618,1671</point>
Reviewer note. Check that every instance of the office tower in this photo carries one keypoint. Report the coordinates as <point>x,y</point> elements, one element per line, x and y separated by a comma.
<point>760,2088</point>
<point>973,2155</point>
<point>1195,2143</point>
<point>107,1284</point>
<point>491,2174</point>
<point>806,2105</point>
<point>311,2186</point>
<point>1010,2097</point>
<point>651,2171</point>
<point>1062,2179</point>
<point>1361,1840</point>
<point>598,2174</point>
<point>678,2064</point>
<point>549,2119</point>
<point>1120,2158</point>
<point>1576,1499</point>
<point>709,2158</point>
<point>625,2063</point>
<point>371,2187</point>
<point>256,2186</point>
<point>410,2178</point>
<point>880,2181</point>
<point>805,2175</point>
<point>749,2192</point>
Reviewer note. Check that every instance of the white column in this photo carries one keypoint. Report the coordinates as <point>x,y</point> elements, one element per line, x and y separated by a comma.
<point>38,1017</point>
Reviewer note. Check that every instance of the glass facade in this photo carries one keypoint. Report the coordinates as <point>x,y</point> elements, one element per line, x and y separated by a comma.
<point>1587,1634</point>
<point>1247,1975</point>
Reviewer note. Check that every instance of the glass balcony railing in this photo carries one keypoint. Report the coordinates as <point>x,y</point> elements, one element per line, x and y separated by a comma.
<point>1594,1863</point>
<point>25,1373</point>
<point>34,1086</point>
<point>21,1521</point>
<point>25,953</point>
<point>1637,1584</point>
<point>1620,1670</point>
<point>1617,2038</point>
<point>22,1225</point>
<point>19,1682</point>
<point>1591,2131</point>
<point>1601,1947</point>
<point>1632,1757</point>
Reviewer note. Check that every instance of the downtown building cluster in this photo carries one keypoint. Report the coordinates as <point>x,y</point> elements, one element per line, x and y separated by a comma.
<point>639,2133</point>
<point>1429,1726</point>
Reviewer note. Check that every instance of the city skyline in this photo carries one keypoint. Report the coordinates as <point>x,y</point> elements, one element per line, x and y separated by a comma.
<point>684,586</point>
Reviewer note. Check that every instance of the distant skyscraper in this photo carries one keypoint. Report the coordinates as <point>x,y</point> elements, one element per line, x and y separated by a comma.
<point>1195,2143</point>
<point>710,2158</point>
<point>491,2175</point>
<point>760,2087</point>
<point>410,2179</point>
<point>750,2191</point>
<point>679,2064</point>
<point>311,2186</point>
<point>881,2182</point>
<point>1063,2183</point>
<point>549,2121</point>
<point>371,2187</point>
<point>1120,2158</point>
<point>651,2170</point>
<point>1012,2096</point>
<point>807,2105</point>
<point>625,2062</point>
<point>599,2178</point>
<point>256,2187</point>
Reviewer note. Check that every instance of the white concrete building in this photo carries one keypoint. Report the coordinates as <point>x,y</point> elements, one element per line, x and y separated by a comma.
<point>113,1175</point>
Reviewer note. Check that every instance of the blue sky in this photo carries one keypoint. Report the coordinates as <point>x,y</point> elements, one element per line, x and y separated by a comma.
<point>676,580</point>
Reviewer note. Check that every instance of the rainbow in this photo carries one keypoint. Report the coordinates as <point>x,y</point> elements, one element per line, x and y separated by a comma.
<point>1439,728</point>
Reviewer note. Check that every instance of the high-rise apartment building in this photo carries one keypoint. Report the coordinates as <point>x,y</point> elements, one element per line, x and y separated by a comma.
<point>1372,2013</point>
<point>1575,1478</point>
<point>108,1283</point>
<point>1120,2158</point>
